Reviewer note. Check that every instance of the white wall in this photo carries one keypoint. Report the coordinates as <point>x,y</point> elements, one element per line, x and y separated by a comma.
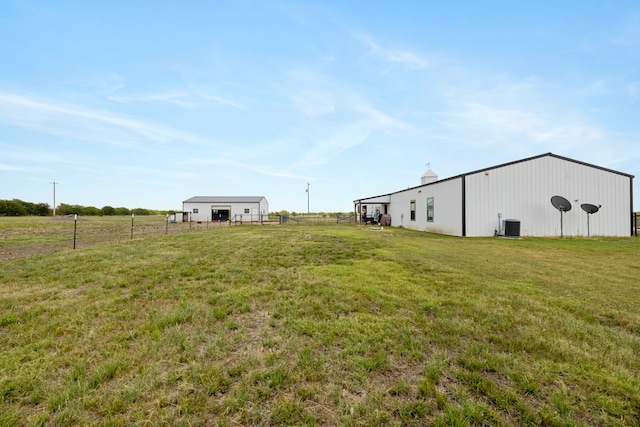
<point>523,191</point>
<point>256,211</point>
<point>447,207</point>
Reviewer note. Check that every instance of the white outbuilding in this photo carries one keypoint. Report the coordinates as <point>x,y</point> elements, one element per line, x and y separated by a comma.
<point>513,199</point>
<point>225,208</point>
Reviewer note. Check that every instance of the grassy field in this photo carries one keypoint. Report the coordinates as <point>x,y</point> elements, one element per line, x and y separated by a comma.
<point>322,325</point>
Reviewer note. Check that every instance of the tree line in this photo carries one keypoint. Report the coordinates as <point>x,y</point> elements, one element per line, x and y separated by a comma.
<point>17,207</point>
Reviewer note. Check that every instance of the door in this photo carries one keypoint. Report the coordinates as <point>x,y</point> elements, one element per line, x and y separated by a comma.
<point>219,215</point>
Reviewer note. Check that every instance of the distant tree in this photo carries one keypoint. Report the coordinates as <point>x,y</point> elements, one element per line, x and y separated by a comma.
<point>77,209</point>
<point>17,207</point>
<point>92,211</point>
<point>64,209</point>
<point>28,206</point>
<point>41,209</point>
<point>12,208</point>
<point>140,211</point>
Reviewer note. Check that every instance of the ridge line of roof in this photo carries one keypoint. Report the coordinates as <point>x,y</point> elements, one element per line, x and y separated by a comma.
<point>549,154</point>
<point>218,199</point>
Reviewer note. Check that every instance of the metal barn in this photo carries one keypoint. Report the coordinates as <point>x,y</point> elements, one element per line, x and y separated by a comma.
<point>514,199</point>
<point>225,208</point>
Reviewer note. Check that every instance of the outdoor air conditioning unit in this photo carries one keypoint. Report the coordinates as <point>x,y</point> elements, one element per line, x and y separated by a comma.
<point>511,227</point>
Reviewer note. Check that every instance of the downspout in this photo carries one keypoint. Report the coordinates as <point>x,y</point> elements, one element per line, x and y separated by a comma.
<point>464,206</point>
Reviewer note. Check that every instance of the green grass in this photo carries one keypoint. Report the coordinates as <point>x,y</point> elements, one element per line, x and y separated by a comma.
<point>316,325</point>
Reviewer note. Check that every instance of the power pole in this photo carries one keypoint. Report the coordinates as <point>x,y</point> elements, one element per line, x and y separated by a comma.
<point>54,196</point>
<point>307,200</point>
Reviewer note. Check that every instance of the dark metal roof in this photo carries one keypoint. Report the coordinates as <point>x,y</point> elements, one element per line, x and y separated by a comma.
<point>225,199</point>
<point>500,166</point>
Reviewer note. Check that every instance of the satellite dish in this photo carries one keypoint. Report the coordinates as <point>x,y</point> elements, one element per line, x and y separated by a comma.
<point>589,209</point>
<point>560,203</point>
<point>563,205</point>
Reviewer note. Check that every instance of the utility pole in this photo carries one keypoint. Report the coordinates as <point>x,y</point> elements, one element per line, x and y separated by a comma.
<point>54,196</point>
<point>307,200</point>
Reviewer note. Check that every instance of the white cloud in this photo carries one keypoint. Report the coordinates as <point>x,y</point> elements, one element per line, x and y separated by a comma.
<point>351,135</point>
<point>83,123</point>
<point>12,168</point>
<point>224,101</point>
<point>513,129</point>
<point>167,173</point>
<point>176,98</point>
<point>23,154</point>
<point>379,119</point>
<point>394,56</point>
<point>101,83</point>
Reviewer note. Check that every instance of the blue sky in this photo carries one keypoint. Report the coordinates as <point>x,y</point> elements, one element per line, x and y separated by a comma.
<point>148,103</point>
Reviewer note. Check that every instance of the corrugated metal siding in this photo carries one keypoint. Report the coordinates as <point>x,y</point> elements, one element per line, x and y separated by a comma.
<point>523,191</point>
<point>447,207</point>
<point>204,210</point>
<point>447,218</point>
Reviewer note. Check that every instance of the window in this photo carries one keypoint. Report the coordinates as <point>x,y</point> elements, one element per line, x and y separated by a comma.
<point>246,210</point>
<point>429,209</point>
<point>413,210</point>
<point>195,210</point>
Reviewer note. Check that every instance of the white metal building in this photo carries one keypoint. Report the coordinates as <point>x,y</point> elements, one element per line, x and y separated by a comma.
<point>516,196</point>
<point>223,208</point>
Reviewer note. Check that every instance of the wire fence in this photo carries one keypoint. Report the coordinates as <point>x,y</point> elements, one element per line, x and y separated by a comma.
<point>312,219</point>
<point>23,237</point>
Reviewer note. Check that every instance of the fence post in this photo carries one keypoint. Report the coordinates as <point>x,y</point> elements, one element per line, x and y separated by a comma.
<point>75,224</point>
<point>132,215</point>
